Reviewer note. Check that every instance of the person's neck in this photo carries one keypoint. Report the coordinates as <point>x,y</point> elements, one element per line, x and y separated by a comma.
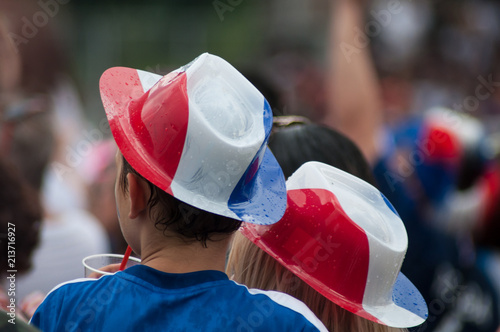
<point>174,255</point>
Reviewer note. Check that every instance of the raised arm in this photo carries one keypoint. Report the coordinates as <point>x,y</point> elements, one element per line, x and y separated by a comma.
<point>354,102</point>
<point>9,63</point>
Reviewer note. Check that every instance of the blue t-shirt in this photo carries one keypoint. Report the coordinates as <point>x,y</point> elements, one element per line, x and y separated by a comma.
<point>144,299</point>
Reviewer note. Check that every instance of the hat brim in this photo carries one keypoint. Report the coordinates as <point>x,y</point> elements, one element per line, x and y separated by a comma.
<point>119,86</point>
<point>263,201</point>
<point>408,307</point>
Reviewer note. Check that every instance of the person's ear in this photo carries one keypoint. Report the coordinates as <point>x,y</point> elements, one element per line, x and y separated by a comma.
<point>138,191</point>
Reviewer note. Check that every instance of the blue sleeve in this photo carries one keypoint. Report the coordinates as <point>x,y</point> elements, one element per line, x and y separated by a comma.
<point>47,313</point>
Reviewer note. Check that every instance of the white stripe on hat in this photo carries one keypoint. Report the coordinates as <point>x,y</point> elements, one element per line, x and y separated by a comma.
<point>199,167</point>
<point>395,316</point>
<point>148,79</point>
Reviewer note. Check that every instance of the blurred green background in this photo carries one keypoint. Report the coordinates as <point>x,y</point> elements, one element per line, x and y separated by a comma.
<point>160,36</point>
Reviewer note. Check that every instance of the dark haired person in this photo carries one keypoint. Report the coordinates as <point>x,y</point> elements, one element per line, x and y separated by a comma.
<point>20,215</point>
<point>193,164</point>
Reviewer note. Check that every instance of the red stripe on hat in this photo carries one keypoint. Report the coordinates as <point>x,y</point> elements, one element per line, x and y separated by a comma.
<point>118,86</point>
<point>162,127</point>
<point>149,128</point>
<point>318,241</point>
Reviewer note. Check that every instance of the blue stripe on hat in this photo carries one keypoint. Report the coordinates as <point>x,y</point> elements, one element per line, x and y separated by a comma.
<point>406,296</point>
<point>389,204</point>
<point>268,207</point>
<point>268,119</point>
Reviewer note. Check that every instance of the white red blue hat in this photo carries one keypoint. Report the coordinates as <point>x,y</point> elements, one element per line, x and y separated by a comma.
<point>343,237</point>
<point>447,134</point>
<point>199,133</point>
<point>446,144</point>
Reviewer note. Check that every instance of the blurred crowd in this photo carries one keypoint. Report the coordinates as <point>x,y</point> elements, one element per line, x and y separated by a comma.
<point>415,84</point>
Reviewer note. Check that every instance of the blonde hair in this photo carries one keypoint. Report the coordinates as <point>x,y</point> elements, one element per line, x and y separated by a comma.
<point>253,267</point>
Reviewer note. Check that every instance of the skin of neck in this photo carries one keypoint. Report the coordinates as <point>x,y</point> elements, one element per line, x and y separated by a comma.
<point>169,252</point>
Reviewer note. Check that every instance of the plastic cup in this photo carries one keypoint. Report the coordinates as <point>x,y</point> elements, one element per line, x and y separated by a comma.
<point>94,263</point>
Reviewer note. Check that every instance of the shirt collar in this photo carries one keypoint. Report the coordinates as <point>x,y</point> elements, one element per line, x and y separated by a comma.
<point>173,280</point>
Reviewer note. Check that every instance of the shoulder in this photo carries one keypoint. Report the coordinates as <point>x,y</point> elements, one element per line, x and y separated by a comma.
<point>69,287</point>
<point>64,293</point>
<point>281,307</point>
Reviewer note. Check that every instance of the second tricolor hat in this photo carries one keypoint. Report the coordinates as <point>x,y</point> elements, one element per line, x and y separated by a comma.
<point>342,237</point>
<point>199,133</point>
